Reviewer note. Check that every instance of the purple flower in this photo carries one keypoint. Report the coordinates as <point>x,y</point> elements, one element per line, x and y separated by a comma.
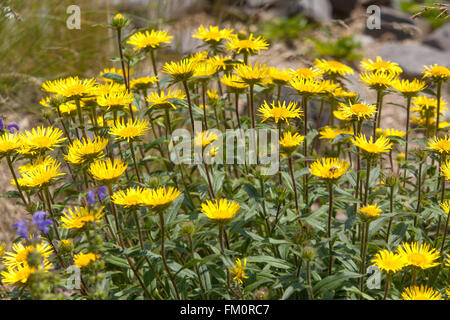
<point>2,124</point>
<point>40,222</point>
<point>22,228</point>
<point>91,197</point>
<point>102,192</point>
<point>11,127</point>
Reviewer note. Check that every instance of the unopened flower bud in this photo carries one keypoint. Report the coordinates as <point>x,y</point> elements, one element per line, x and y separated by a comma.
<point>309,253</point>
<point>187,228</point>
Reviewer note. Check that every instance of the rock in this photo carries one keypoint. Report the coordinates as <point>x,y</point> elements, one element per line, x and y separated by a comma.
<point>439,38</point>
<point>398,24</point>
<point>413,57</point>
<point>184,43</point>
<point>317,10</point>
<point>175,9</point>
<point>367,3</point>
<point>343,8</point>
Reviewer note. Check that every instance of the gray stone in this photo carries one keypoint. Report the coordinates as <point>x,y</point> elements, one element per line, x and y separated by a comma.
<point>439,38</point>
<point>317,10</point>
<point>413,57</point>
<point>399,24</point>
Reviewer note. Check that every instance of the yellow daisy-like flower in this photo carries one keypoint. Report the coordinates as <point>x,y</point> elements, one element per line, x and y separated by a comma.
<point>380,65</point>
<point>108,88</point>
<point>212,94</point>
<point>421,293</point>
<point>252,74</point>
<point>378,80</point>
<point>388,261</point>
<point>357,111</point>
<point>107,171</point>
<point>149,40</point>
<point>86,150</point>
<point>408,88</point>
<point>69,107</point>
<point>180,71</point>
<point>9,143</point>
<point>329,168</point>
<point>42,139</point>
<point>160,198</point>
<point>370,211</point>
<point>212,35</point>
<point>391,132</point>
<point>223,63</point>
<point>82,260</point>
<point>445,170</point>
<point>37,163</point>
<point>115,99</point>
<point>221,210</point>
<point>204,138</point>
<point>341,93</point>
<point>277,111</point>
<point>234,83</point>
<point>307,86</point>
<point>247,46</point>
<point>280,77</point>
<point>22,273</point>
<point>440,145</point>
<point>419,255</point>
<point>382,144</point>
<point>333,68</point>
<point>199,57</point>
<point>331,133</point>
<point>162,100</point>
<point>19,254</point>
<point>238,270</point>
<point>289,142</point>
<point>71,87</point>
<point>142,83</point>
<point>308,73</point>
<point>204,70</point>
<point>446,207</point>
<point>131,198</point>
<point>436,73</point>
<point>131,130</point>
<point>41,176</point>
<point>80,216</point>
<point>329,87</point>
<point>423,103</point>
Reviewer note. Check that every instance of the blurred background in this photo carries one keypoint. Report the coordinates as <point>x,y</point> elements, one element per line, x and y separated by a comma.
<point>36,45</point>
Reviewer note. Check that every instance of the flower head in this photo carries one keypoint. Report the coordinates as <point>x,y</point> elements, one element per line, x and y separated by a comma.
<point>204,138</point>
<point>370,212</point>
<point>42,139</point>
<point>71,87</point>
<point>289,142</point>
<point>220,211</point>
<point>107,171</point>
<point>307,86</point>
<point>131,130</point>
<point>408,88</point>
<point>9,143</point>
<point>420,293</point>
<point>160,198</point>
<point>370,147</point>
<point>357,111</point>
<point>380,65</point>
<point>40,222</point>
<point>440,145</point>
<point>419,255</point>
<point>86,150</point>
<point>249,46</point>
<point>388,261</point>
<point>329,169</point>
<point>149,40</point>
<point>82,260</point>
<point>331,133</point>
<point>333,68</point>
<point>280,77</point>
<point>212,35</point>
<point>445,169</point>
<point>180,71</point>
<point>252,75</point>
<point>277,111</point>
<point>238,270</point>
<point>308,73</point>
<point>142,83</point>
<point>131,198</point>
<point>436,73</point>
<point>19,254</point>
<point>234,83</point>
<point>115,100</point>
<point>80,216</point>
<point>378,80</point>
<point>163,99</point>
<point>41,176</point>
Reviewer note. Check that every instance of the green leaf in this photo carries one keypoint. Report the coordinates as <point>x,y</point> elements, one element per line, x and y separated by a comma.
<point>334,281</point>
<point>10,194</point>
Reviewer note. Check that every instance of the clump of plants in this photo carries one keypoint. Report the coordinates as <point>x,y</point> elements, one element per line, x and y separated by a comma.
<point>132,190</point>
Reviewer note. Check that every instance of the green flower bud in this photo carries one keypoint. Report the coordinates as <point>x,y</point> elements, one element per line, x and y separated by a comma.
<point>34,259</point>
<point>187,228</point>
<point>262,293</point>
<point>308,253</point>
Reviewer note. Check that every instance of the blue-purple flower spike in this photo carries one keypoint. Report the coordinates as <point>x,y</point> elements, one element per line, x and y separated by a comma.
<point>40,222</point>
<point>91,197</point>
<point>22,229</point>
<point>102,192</point>
<point>12,127</point>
